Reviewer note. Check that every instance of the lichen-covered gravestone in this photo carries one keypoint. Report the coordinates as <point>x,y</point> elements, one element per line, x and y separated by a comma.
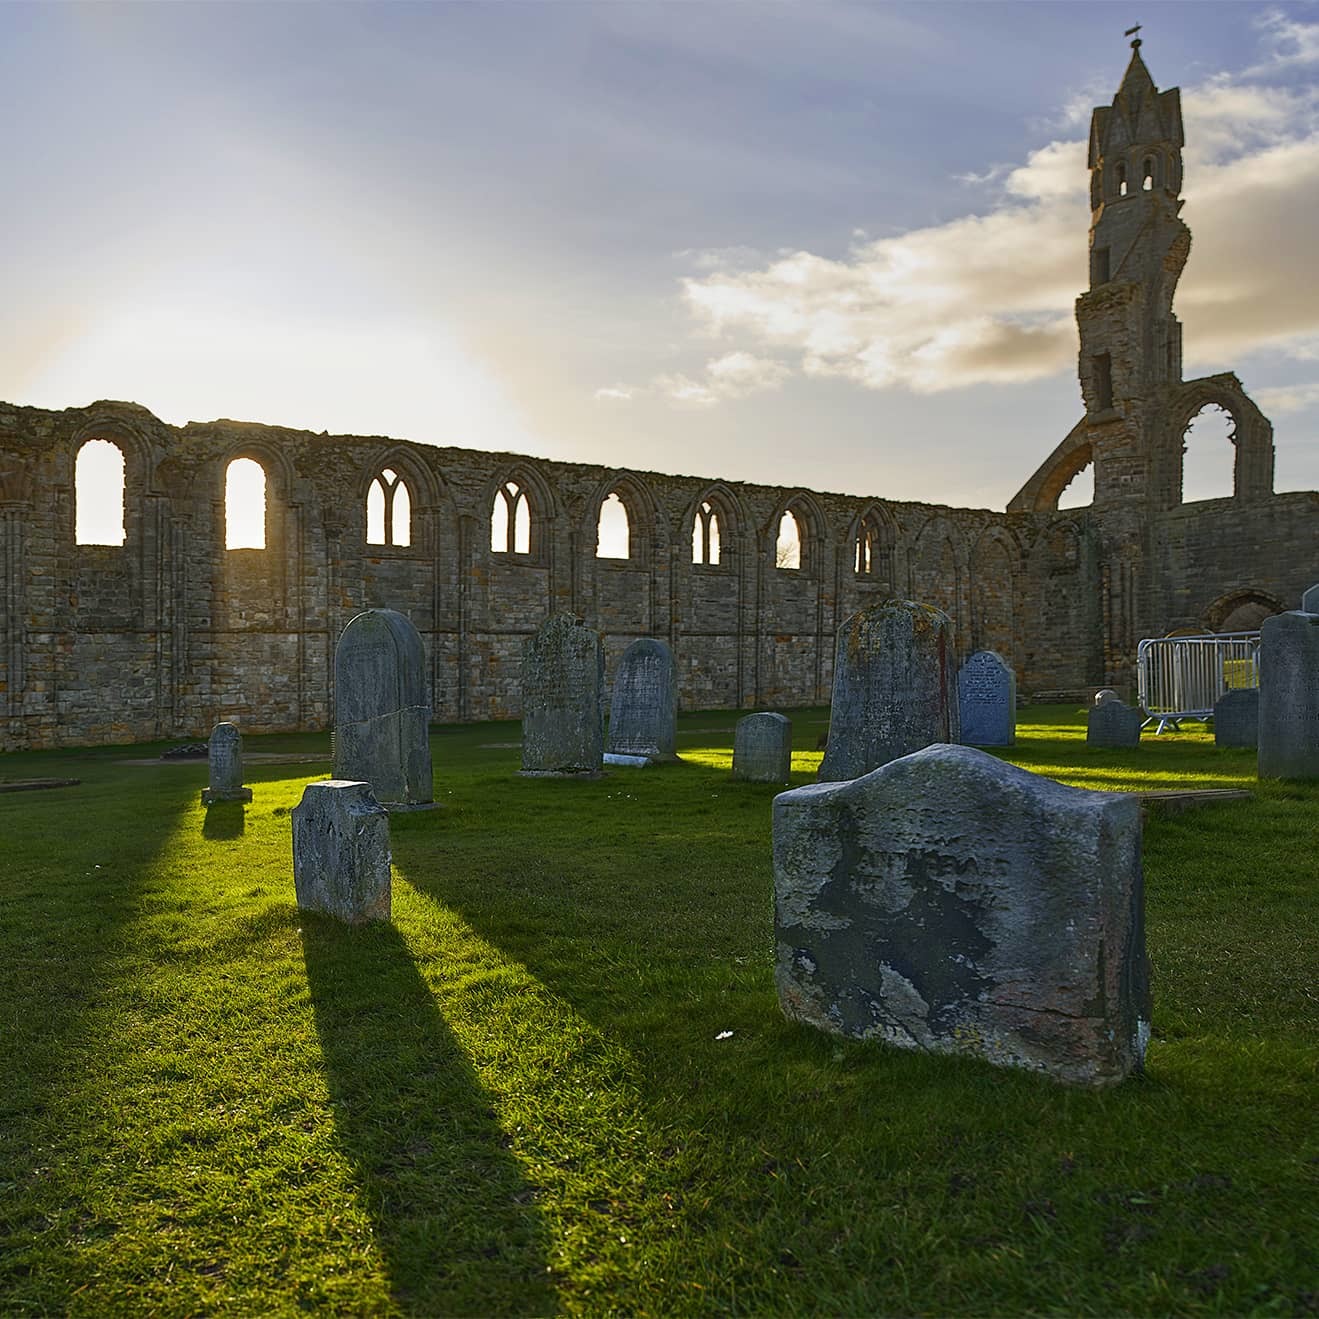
<point>1289,696</point>
<point>341,852</point>
<point>762,748</point>
<point>563,671</point>
<point>1236,718</point>
<point>987,701</point>
<point>225,760</point>
<point>894,688</point>
<point>382,708</point>
<point>643,710</point>
<point>1113,723</point>
<point>952,903</point>
<point>1310,600</point>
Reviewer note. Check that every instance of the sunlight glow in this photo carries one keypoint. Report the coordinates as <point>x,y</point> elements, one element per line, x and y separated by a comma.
<point>612,540</point>
<point>787,550</point>
<point>1080,490</point>
<point>98,494</point>
<point>245,505</point>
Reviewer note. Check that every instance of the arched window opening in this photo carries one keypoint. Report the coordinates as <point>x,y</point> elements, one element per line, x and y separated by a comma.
<point>1121,180</point>
<point>611,537</point>
<point>787,548</point>
<point>245,505</point>
<point>1208,466</point>
<point>98,494</point>
<point>388,510</point>
<point>705,535</point>
<point>1147,174</point>
<point>1079,492</point>
<point>510,521</point>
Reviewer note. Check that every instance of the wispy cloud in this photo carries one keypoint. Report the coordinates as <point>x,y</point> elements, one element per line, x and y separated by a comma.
<point>734,375</point>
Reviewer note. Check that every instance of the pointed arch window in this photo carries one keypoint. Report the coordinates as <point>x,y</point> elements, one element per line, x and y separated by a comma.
<point>612,533</point>
<point>874,550</point>
<point>705,535</point>
<point>788,543</point>
<point>245,505</point>
<point>510,520</point>
<point>1121,177</point>
<point>389,510</point>
<point>98,494</point>
<point>1147,174</point>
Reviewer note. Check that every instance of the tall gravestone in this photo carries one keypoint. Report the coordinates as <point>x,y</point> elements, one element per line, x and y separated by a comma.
<point>1310,600</point>
<point>382,708</point>
<point>762,748</point>
<point>894,687</point>
<point>1113,723</point>
<point>224,757</point>
<point>1236,718</point>
<point>987,701</point>
<point>952,903</point>
<point>341,852</point>
<point>563,671</point>
<point>1289,696</point>
<point>643,710</point>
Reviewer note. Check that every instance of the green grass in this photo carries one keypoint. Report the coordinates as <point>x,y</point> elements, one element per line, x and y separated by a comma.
<point>513,1100</point>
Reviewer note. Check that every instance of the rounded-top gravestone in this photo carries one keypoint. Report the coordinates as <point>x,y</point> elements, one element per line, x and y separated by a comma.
<point>643,711</point>
<point>225,762</point>
<point>382,708</point>
<point>894,687</point>
<point>762,748</point>
<point>1104,695</point>
<point>563,671</point>
<point>987,701</point>
<point>1113,723</point>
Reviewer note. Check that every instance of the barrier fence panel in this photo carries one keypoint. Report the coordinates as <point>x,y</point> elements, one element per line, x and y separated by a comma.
<point>1182,677</point>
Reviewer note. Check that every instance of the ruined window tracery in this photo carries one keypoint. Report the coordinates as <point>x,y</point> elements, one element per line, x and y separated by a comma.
<point>388,510</point>
<point>1079,492</point>
<point>787,546</point>
<point>1209,455</point>
<point>873,557</point>
<point>510,521</point>
<point>245,505</point>
<point>612,534</point>
<point>705,535</point>
<point>98,494</point>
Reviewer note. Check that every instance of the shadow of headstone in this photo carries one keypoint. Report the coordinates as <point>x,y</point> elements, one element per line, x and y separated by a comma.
<point>224,820</point>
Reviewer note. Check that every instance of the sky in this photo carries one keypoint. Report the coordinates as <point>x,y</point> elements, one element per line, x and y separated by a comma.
<point>808,244</point>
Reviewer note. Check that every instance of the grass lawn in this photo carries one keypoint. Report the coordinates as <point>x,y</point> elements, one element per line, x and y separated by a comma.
<point>513,1100</point>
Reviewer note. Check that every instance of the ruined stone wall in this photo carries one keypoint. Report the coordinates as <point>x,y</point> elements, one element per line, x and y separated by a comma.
<point>170,632</point>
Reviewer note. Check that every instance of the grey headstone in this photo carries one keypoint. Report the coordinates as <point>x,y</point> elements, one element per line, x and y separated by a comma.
<point>953,903</point>
<point>225,759</point>
<point>1236,718</point>
<point>762,748</point>
<point>1113,724</point>
<point>643,711</point>
<point>341,852</point>
<point>894,690</point>
<point>1104,695</point>
<point>382,708</point>
<point>987,701</point>
<point>563,673</point>
<point>1289,696</point>
<point>1310,600</point>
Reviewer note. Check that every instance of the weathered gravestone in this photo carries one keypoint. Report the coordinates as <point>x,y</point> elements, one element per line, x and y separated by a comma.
<point>1236,718</point>
<point>952,903</point>
<point>1113,724</point>
<point>563,671</point>
<point>987,701</point>
<point>894,690</point>
<point>225,758</point>
<point>341,852</point>
<point>382,708</point>
<point>643,711</point>
<point>762,748</point>
<point>1104,695</point>
<point>1310,600</point>
<point>1289,696</point>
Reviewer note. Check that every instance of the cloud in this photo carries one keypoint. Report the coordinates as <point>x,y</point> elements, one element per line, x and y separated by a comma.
<point>734,375</point>
<point>615,393</point>
<point>1289,398</point>
<point>988,298</point>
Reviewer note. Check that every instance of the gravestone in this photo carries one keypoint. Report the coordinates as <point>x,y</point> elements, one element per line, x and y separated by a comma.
<point>1236,718</point>
<point>987,701</point>
<point>762,748</point>
<point>1104,695</point>
<point>563,670</point>
<point>1310,600</point>
<point>1113,724</point>
<point>382,708</point>
<point>951,903</point>
<point>1289,696</point>
<point>894,690</point>
<point>225,758</point>
<point>341,852</point>
<point>643,711</point>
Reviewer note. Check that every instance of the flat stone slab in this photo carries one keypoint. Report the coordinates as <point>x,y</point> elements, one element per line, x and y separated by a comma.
<point>37,785</point>
<point>341,854</point>
<point>1173,801</point>
<point>628,762</point>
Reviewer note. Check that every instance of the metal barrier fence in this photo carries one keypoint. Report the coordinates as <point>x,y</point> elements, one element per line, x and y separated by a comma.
<point>1182,677</point>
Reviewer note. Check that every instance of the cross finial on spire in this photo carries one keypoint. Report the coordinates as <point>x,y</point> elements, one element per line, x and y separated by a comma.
<point>1131,32</point>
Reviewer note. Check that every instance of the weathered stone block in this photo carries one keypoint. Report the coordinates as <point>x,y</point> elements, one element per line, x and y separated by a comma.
<point>1310,600</point>
<point>382,709</point>
<point>987,701</point>
<point>953,903</point>
<point>563,671</point>
<point>1289,696</point>
<point>1113,723</point>
<point>225,760</point>
<point>893,687</point>
<point>762,748</point>
<point>643,712</point>
<point>1236,718</point>
<point>341,852</point>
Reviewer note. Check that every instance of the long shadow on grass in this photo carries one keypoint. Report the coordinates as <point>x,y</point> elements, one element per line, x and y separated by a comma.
<point>452,1211</point>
